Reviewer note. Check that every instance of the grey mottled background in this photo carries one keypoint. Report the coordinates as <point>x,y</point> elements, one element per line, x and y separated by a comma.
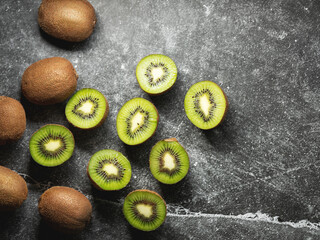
<point>254,177</point>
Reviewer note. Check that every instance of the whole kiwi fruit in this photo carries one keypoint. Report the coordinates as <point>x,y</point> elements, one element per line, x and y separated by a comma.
<point>13,189</point>
<point>49,81</point>
<point>12,120</point>
<point>65,209</point>
<point>69,20</point>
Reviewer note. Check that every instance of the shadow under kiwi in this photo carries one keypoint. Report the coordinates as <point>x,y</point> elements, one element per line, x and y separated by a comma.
<point>38,113</point>
<point>65,45</point>
<point>177,193</point>
<point>49,175</point>
<point>47,233</point>
<point>139,154</point>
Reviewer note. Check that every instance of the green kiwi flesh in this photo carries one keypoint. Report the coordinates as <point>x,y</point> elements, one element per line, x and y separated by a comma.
<point>109,170</point>
<point>144,209</point>
<point>169,161</point>
<point>156,74</point>
<point>87,109</point>
<point>206,104</point>
<point>51,145</point>
<point>137,121</point>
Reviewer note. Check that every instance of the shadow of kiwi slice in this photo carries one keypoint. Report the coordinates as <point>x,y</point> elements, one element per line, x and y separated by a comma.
<point>205,104</point>
<point>109,170</point>
<point>144,209</point>
<point>169,161</point>
<point>51,145</point>
<point>156,74</point>
<point>137,121</point>
<point>87,109</point>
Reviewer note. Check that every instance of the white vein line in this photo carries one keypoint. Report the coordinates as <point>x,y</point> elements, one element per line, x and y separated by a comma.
<point>255,217</point>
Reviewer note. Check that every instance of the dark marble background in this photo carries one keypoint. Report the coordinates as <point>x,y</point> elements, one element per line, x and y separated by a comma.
<point>255,177</point>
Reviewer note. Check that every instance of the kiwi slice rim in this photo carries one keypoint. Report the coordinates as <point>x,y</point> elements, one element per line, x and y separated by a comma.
<point>145,75</point>
<point>34,150</point>
<point>218,102</point>
<point>76,116</point>
<point>127,209</point>
<point>148,112</point>
<point>126,170</point>
<point>166,175</point>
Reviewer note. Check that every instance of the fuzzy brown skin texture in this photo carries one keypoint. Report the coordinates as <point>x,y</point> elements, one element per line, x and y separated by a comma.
<point>13,190</point>
<point>49,81</point>
<point>69,20</point>
<point>65,209</point>
<point>12,120</point>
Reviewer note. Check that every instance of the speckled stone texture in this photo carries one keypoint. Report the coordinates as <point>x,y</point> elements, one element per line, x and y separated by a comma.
<point>255,177</point>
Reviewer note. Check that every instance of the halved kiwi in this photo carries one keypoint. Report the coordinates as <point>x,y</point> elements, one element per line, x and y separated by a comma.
<point>144,209</point>
<point>87,109</point>
<point>51,145</point>
<point>109,170</point>
<point>206,104</point>
<point>156,74</point>
<point>137,121</point>
<point>169,161</point>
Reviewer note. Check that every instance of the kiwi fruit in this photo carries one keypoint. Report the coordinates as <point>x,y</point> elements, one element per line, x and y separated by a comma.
<point>49,81</point>
<point>109,170</point>
<point>156,74</point>
<point>13,190</point>
<point>87,109</point>
<point>144,209</point>
<point>169,161</point>
<point>51,145</point>
<point>137,121</point>
<point>69,20</point>
<point>205,104</point>
<point>65,209</point>
<point>12,120</point>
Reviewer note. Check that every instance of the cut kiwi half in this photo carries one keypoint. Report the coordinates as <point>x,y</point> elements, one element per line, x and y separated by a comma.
<point>156,74</point>
<point>109,170</point>
<point>51,145</point>
<point>88,108</point>
<point>144,209</point>
<point>169,161</point>
<point>205,104</point>
<point>137,121</point>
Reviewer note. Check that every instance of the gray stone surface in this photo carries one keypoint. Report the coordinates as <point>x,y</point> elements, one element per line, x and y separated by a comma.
<point>264,158</point>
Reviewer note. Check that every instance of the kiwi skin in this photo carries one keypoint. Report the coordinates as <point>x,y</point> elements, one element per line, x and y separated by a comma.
<point>227,106</point>
<point>13,190</point>
<point>75,26</point>
<point>49,81</point>
<point>65,209</point>
<point>170,140</point>
<point>149,191</point>
<point>102,120</point>
<point>153,94</point>
<point>55,125</point>
<point>158,117</point>
<point>12,120</point>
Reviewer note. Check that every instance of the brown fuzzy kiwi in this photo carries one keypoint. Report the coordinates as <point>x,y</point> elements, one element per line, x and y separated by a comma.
<point>13,189</point>
<point>69,20</point>
<point>65,209</point>
<point>49,81</point>
<point>12,120</point>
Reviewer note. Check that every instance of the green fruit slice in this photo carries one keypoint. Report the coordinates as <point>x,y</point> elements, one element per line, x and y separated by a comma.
<point>87,109</point>
<point>205,104</point>
<point>51,145</point>
<point>137,121</point>
<point>169,161</point>
<point>156,73</point>
<point>109,170</point>
<point>144,210</point>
